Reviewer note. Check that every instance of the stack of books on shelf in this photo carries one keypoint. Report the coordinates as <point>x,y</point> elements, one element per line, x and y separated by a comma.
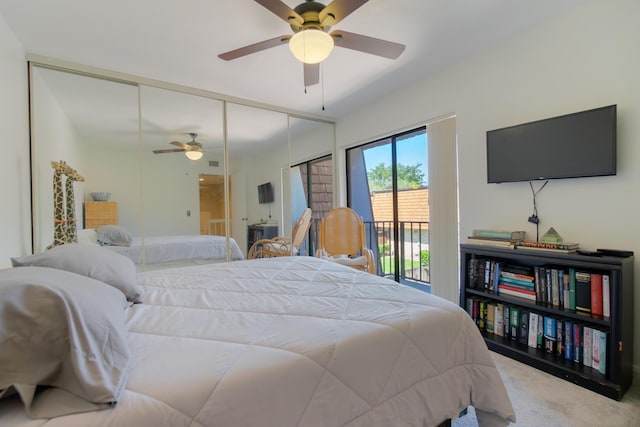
<point>516,284</point>
<point>565,248</point>
<point>496,238</point>
<point>563,339</point>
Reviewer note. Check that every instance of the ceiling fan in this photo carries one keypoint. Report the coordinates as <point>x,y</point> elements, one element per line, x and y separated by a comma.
<point>311,42</point>
<point>192,149</point>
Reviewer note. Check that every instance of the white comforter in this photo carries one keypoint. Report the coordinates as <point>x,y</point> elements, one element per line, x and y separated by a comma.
<point>165,249</point>
<point>294,341</point>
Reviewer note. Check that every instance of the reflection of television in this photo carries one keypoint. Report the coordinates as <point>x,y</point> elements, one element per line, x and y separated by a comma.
<point>571,146</point>
<point>265,193</point>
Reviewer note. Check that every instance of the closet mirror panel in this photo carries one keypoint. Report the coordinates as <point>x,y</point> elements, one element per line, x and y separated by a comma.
<point>91,124</point>
<point>311,175</point>
<point>258,153</point>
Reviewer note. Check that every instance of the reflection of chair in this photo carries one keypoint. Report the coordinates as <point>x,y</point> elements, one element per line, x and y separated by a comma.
<point>342,240</point>
<point>283,246</point>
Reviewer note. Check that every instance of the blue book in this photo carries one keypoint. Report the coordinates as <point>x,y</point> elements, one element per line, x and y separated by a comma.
<point>602,353</point>
<point>550,334</point>
<point>568,340</point>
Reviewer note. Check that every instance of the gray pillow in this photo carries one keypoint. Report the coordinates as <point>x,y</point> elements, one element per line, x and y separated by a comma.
<point>113,235</point>
<point>64,342</point>
<point>92,261</point>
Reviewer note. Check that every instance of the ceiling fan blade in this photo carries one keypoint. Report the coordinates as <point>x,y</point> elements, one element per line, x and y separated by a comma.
<point>337,10</point>
<point>367,44</point>
<point>171,150</point>
<point>179,144</point>
<point>311,74</point>
<point>253,48</point>
<point>283,11</point>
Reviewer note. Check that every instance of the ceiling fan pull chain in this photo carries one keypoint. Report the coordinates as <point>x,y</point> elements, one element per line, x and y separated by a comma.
<point>322,84</point>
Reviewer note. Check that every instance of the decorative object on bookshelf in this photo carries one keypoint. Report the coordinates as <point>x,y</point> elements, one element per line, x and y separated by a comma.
<point>551,236</point>
<point>537,295</point>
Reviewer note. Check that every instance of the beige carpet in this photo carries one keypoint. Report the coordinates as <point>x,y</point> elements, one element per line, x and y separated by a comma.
<point>540,399</point>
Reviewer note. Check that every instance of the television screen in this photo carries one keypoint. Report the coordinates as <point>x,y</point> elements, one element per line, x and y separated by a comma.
<point>265,193</point>
<point>574,145</point>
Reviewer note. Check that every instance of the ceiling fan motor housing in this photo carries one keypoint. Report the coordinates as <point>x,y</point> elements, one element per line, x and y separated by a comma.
<point>310,12</point>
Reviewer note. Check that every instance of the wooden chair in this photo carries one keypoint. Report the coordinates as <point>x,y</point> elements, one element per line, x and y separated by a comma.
<point>342,240</point>
<point>283,246</point>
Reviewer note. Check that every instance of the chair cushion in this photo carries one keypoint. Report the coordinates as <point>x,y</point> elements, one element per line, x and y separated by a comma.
<point>360,261</point>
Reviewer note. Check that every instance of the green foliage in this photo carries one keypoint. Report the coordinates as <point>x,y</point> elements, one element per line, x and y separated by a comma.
<point>380,177</point>
<point>424,257</point>
<point>384,249</point>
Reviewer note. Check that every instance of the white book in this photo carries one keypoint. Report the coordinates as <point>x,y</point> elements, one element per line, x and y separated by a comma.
<point>498,328</point>
<point>587,354</point>
<point>606,296</point>
<point>595,349</point>
<point>602,351</point>
<point>533,330</point>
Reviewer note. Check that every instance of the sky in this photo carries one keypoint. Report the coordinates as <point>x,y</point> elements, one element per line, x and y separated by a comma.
<point>409,151</point>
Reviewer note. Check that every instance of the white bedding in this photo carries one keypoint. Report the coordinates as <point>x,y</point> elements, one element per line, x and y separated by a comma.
<point>166,249</point>
<point>294,341</point>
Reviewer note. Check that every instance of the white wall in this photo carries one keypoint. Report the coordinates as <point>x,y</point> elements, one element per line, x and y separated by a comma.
<point>14,161</point>
<point>584,60</point>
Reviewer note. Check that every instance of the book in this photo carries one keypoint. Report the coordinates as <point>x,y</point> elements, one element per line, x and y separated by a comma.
<point>602,353</point>
<point>550,334</point>
<point>583,291</point>
<point>498,327</point>
<point>572,289</point>
<point>577,343</point>
<point>496,275</point>
<point>516,294</point>
<point>499,234</point>
<point>596,294</point>
<point>587,344</point>
<point>568,340</point>
<point>518,276</point>
<point>490,242</point>
<point>487,274</point>
<point>506,316</point>
<point>549,283</point>
<point>595,349</point>
<point>490,321</point>
<point>514,330</point>
<point>555,288</point>
<point>532,340</point>
<point>542,245</point>
<point>561,287</point>
<point>482,316</point>
<point>559,338</point>
<point>527,284</point>
<point>566,289</point>
<point>540,331</point>
<point>558,251</point>
<point>513,283</point>
<point>606,296</point>
<point>524,327</point>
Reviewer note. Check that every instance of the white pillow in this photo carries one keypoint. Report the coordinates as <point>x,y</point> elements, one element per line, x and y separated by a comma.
<point>88,236</point>
<point>92,261</point>
<point>64,341</point>
<point>113,235</point>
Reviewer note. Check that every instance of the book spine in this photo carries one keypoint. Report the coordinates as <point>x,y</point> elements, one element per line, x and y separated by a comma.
<point>596,294</point>
<point>595,349</point>
<point>496,276</point>
<point>559,338</point>
<point>533,330</point>
<point>498,328</point>
<point>519,276</point>
<point>482,316</point>
<point>572,289</point>
<point>506,315</point>
<point>567,290</point>
<point>583,291</point>
<point>497,234</point>
<point>540,342</point>
<point>577,343</point>
<point>517,294</point>
<point>555,289</point>
<point>524,327</point>
<point>529,284</point>
<point>550,334</point>
<point>515,324</point>
<point>606,296</point>
<point>541,245</point>
<point>549,283</point>
<point>587,343</point>
<point>490,322</point>
<point>602,352</point>
<point>568,340</point>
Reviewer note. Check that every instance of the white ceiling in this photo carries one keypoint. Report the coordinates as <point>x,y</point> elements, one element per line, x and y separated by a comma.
<point>178,42</point>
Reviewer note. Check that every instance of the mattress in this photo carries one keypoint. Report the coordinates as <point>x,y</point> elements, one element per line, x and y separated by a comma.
<point>294,341</point>
<point>167,249</point>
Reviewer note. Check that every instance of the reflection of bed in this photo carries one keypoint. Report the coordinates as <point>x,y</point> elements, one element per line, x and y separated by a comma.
<point>170,249</point>
<point>294,341</point>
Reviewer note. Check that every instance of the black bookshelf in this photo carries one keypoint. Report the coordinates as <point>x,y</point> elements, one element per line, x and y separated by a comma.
<point>619,325</point>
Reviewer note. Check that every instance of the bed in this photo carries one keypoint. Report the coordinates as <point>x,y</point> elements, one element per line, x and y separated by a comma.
<point>168,251</point>
<point>292,341</point>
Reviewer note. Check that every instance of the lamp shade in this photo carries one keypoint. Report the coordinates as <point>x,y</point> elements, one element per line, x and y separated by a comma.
<point>311,46</point>
<point>193,155</point>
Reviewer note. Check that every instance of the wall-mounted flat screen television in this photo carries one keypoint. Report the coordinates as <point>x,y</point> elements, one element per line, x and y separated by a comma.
<point>575,145</point>
<point>265,193</point>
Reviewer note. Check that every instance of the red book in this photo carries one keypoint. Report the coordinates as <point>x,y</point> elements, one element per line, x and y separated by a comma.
<point>596,294</point>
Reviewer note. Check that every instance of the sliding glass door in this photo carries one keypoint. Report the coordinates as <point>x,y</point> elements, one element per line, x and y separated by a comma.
<point>387,184</point>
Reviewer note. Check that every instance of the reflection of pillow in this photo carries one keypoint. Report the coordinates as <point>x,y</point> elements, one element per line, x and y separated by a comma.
<point>65,333</point>
<point>92,261</point>
<point>88,235</point>
<point>113,235</point>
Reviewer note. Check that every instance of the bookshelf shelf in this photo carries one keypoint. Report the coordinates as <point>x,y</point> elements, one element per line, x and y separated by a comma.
<point>618,327</point>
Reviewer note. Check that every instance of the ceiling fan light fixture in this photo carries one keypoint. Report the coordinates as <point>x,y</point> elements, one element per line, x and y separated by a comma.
<point>193,155</point>
<point>311,46</point>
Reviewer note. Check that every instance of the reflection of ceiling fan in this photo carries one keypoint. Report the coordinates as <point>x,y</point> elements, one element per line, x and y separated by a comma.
<point>192,149</point>
<point>311,43</point>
